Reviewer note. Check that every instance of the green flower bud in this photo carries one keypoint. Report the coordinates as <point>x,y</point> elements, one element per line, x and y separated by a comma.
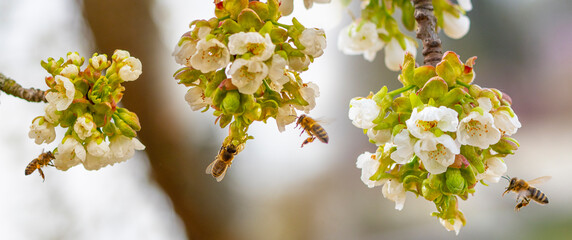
<point>469,176</point>
<point>408,70</point>
<point>100,92</point>
<point>476,160</point>
<point>506,145</point>
<point>110,129</point>
<point>429,193</point>
<point>218,97</point>
<point>475,91</point>
<point>101,114</point>
<point>401,104</point>
<point>450,68</point>
<point>52,65</point>
<point>125,129</point>
<point>452,97</point>
<point>468,71</point>
<point>253,112</point>
<point>212,85</point>
<point>234,7</point>
<point>434,88</point>
<point>248,19</point>
<point>455,181</point>
<point>279,35</point>
<point>490,94</point>
<point>415,100</point>
<point>423,74</point>
<point>224,120</point>
<point>230,26</point>
<point>231,102</point>
<point>130,118</point>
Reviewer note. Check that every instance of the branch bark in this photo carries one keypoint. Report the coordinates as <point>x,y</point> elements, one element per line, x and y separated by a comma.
<point>427,32</point>
<point>11,87</point>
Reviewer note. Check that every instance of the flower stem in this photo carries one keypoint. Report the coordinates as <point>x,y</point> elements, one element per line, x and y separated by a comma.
<point>426,31</point>
<point>464,84</point>
<point>11,87</point>
<point>400,90</point>
<point>280,24</point>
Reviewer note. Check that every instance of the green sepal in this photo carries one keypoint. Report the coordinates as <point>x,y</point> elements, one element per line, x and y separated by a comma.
<point>110,129</point>
<point>407,76</point>
<point>213,84</point>
<point>261,9</point>
<point>435,88</point>
<point>273,11</point>
<point>476,160</point>
<point>429,193</point>
<point>455,182</point>
<point>231,26</point>
<point>123,127</point>
<point>452,97</point>
<point>422,74</point>
<point>415,100</point>
<point>100,92</point>
<point>235,7</point>
<point>469,175</point>
<point>231,102</point>
<point>224,120</point>
<point>401,104</point>
<point>130,118</point>
<point>407,16</point>
<point>101,114</point>
<point>506,145</point>
<point>380,95</point>
<point>278,35</point>
<point>248,19</point>
<point>450,68</point>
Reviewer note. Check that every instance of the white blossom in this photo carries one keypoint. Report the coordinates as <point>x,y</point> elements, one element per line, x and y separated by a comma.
<point>247,75</point>
<point>456,225</point>
<point>308,3</point>
<point>394,191</point>
<point>69,153</point>
<point>379,137</point>
<point>455,27</point>
<point>404,147</point>
<point>62,94</point>
<point>478,130</point>
<point>506,123</point>
<point>84,127</point>
<point>184,52</point>
<point>437,153</point>
<point>74,57</point>
<point>123,148</point>
<point>422,122</point>
<point>360,38</point>
<point>70,71</point>
<point>42,131</point>
<point>495,168</point>
<point>309,92</point>
<point>119,55</point>
<point>286,115</point>
<point>261,47</point>
<point>314,41</point>
<point>98,61</point>
<point>196,98</point>
<point>286,7</point>
<point>465,4</point>
<point>299,64</point>
<point>98,155</point>
<point>363,111</point>
<point>394,53</point>
<point>52,114</point>
<point>277,72</point>
<point>131,70</point>
<point>210,55</point>
<point>369,164</point>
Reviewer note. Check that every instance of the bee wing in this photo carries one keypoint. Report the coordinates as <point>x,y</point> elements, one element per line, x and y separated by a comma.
<point>539,180</point>
<point>219,178</point>
<point>209,169</point>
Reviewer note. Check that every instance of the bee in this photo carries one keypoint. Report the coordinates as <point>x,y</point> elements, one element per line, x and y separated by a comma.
<point>45,159</point>
<point>223,160</point>
<point>526,191</point>
<point>313,129</point>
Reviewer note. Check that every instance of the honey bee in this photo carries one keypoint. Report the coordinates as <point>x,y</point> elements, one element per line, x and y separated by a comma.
<point>223,160</point>
<point>312,128</point>
<point>526,191</point>
<point>45,159</point>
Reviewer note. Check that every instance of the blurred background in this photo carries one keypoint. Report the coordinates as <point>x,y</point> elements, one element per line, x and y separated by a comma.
<point>275,189</point>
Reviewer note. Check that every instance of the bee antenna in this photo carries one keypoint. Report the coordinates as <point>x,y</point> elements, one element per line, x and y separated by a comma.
<point>506,177</point>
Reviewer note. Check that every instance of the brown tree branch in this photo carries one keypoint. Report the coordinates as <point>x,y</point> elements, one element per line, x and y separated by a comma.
<point>11,87</point>
<point>427,32</point>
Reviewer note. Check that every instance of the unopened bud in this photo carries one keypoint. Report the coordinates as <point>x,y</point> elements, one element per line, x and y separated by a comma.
<point>506,145</point>
<point>455,181</point>
<point>130,118</point>
<point>231,102</point>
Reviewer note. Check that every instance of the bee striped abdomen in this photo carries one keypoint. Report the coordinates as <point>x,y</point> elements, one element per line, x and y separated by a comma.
<point>32,166</point>
<point>538,196</point>
<point>320,133</point>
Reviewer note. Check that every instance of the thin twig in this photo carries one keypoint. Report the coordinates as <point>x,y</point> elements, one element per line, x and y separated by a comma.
<point>11,87</point>
<point>427,32</point>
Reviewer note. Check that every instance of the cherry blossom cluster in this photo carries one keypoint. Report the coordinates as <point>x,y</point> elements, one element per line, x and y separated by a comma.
<point>377,29</point>
<point>245,65</point>
<point>437,137</point>
<point>99,133</point>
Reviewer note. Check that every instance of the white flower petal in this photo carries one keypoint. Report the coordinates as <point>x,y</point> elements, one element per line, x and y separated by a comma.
<point>247,75</point>
<point>393,190</point>
<point>455,27</point>
<point>211,55</point>
<point>369,165</point>
<point>362,112</point>
<point>478,130</point>
<point>394,54</point>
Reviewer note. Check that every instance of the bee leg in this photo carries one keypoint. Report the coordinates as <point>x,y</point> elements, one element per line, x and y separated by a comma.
<point>522,204</point>
<point>308,140</point>
<point>42,174</point>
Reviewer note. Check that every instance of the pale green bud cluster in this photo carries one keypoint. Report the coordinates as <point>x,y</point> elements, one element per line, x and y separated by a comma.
<point>245,65</point>
<point>85,102</point>
<point>438,135</point>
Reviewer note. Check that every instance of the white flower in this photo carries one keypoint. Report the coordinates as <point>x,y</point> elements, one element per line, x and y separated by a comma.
<point>69,153</point>
<point>394,54</point>
<point>98,155</point>
<point>119,55</point>
<point>465,4</point>
<point>369,164</point>
<point>42,131</point>
<point>309,92</point>
<point>478,130</point>
<point>456,225</point>
<point>314,40</point>
<point>131,70</point>
<point>63,95</point>
<point>360,38</point>
<point>437,153</point>
<point>247,75</point>
<point>394,191</point>
<point>196,98</point>
<point>70,71</point>
<point>184,52</point>
<point>261,47</point>
<point>362,112</point>
<point>299,64</point>
<point>98,61</point>
<point>404,147</point>
<point>506,123</point>
<point>203,32</point>
<point>379,137</point>
<point>74,57</point>
<point>308,3</point>
<point>52,114</point>
<point>123,148</point>
<point>495,168</point>
<point>455,27</point>
<point>277,72</point>
<point>286,115</point>
<point>210,56</point>
<point>422,122</point>
<point>83,127</point>
<point>286,7</point>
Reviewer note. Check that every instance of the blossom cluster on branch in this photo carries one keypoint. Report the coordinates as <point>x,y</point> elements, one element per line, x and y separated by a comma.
<point>85,102</point>
<point>377,29</point>
<point>437,137</point>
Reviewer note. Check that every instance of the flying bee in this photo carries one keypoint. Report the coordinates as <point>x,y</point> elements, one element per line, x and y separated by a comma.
<point>313,129</point>
<point>45,159</point>
<point>526,191</point>
<point>223,160</point>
